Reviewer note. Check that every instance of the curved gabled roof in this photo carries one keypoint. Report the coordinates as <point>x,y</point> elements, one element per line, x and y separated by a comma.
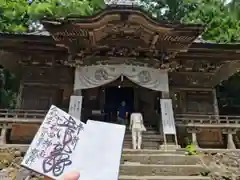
<point>124,28</point>
<point>125,11</point>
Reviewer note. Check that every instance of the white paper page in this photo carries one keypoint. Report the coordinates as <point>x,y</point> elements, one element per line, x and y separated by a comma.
<point>52,149</point>
<point>99,151</point>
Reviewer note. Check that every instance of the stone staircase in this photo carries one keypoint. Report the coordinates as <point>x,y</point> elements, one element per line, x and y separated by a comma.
<point>143,165</point>
<point>160,165</point>
<point>151,139</point>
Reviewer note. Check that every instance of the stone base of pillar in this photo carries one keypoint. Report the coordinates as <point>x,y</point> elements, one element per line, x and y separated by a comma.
<point>3,136</point>
<point>230,143</point>
<point>169,147</point>
<point>229,132</point>
<point>194,140</point>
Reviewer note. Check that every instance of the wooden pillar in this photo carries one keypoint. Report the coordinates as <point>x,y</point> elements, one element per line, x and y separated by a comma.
<point>77,92</point>
<point>215,102</point>
<point>19,96</point>
<point>165,95</point>
<point>136,98</point>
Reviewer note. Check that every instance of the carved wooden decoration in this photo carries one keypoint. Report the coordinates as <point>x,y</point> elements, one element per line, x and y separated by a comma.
<point>48,74</point>
<point>40,97</point>
<point>199,102</point>
<point>126,32</point>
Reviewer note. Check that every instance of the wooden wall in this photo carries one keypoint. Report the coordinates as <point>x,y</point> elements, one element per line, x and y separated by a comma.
<point>45,85</point>
<point>42,86</point>
<point>197,101</point>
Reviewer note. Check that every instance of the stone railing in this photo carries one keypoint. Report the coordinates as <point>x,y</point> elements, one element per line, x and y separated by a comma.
<point>20,113</point>
<point>11,117</point>
<point>195,123</point>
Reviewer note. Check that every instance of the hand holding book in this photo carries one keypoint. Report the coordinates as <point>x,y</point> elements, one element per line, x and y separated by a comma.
<point>64,144</point>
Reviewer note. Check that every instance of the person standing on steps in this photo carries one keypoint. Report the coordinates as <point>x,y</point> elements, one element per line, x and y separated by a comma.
<point>137,127</point>
<point>122,114</point>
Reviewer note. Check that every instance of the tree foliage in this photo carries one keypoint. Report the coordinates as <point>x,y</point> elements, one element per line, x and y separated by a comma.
<point>17,15</point>
<point>9,86</point>
<point>222,20</point>
<point>63,8</point>
<point>223,25</point>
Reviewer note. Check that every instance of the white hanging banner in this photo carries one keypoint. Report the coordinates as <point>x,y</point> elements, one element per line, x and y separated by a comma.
<point>99,75</point>
<point>75,106</point>
<point>168,121</point>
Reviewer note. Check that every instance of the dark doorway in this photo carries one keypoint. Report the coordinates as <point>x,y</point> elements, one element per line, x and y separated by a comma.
<point>113,98</point>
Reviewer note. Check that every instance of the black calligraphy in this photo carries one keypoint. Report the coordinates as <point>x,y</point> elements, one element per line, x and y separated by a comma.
<point>76,105</point>
<point>66,130</point>
<point>34,153</point>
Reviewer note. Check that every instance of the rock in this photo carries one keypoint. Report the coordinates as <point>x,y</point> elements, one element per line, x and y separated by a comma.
<point>17,153</point>
<point>23,173</point>
<point>223,166</point>
<point>4,175</point>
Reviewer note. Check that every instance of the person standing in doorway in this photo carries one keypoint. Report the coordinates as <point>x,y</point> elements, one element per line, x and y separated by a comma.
<point>137,127</point>
<point>122,114</point>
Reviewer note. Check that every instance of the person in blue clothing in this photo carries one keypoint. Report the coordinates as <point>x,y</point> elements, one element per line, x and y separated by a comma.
<point>122,114</point>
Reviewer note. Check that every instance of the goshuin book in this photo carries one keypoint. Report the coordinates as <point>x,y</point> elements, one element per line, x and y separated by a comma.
<point>64,144</point>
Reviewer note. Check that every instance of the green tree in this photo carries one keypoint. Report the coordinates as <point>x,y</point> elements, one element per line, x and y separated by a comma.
<point>222,20</point>
<point>9,85</point>
<point>222,23</point>
<point>16,15</point>
<point>63,8</point>
<point>167,10</point>
<point>13,16</point>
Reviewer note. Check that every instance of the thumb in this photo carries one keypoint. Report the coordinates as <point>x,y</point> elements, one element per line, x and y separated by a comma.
<point>71,176</point>
<point>68,176</point>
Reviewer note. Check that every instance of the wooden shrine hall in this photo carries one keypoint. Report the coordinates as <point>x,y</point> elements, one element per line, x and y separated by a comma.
<point>123,54</point>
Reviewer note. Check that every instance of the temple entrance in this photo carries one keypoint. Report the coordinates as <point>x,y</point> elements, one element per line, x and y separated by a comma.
<point>113,98</point>
<point>104,87</point>
<point>101,103</point>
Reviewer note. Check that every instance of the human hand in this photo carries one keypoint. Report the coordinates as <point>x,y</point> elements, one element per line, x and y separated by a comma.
<point>68,176</point>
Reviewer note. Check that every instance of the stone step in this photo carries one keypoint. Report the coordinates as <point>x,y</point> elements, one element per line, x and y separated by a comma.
<point>24,147</point>
<point>145,145</point>
<point>143,142</point>
<point>153,137</point>
<point>164,178</point>
<point>167,159</point>
<point>148,132</point>
<point>137,169</point>
<point>152,151</point>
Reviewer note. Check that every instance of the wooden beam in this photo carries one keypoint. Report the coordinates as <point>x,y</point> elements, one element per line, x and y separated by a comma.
<point>208,89</point>
<point>225,72</point>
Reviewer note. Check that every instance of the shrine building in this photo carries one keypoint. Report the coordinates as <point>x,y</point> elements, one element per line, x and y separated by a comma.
<point>123,54</point>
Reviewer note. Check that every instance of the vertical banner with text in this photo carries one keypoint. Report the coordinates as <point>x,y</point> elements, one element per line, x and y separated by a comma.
<point>168,121</point>
<point>75,106</point>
